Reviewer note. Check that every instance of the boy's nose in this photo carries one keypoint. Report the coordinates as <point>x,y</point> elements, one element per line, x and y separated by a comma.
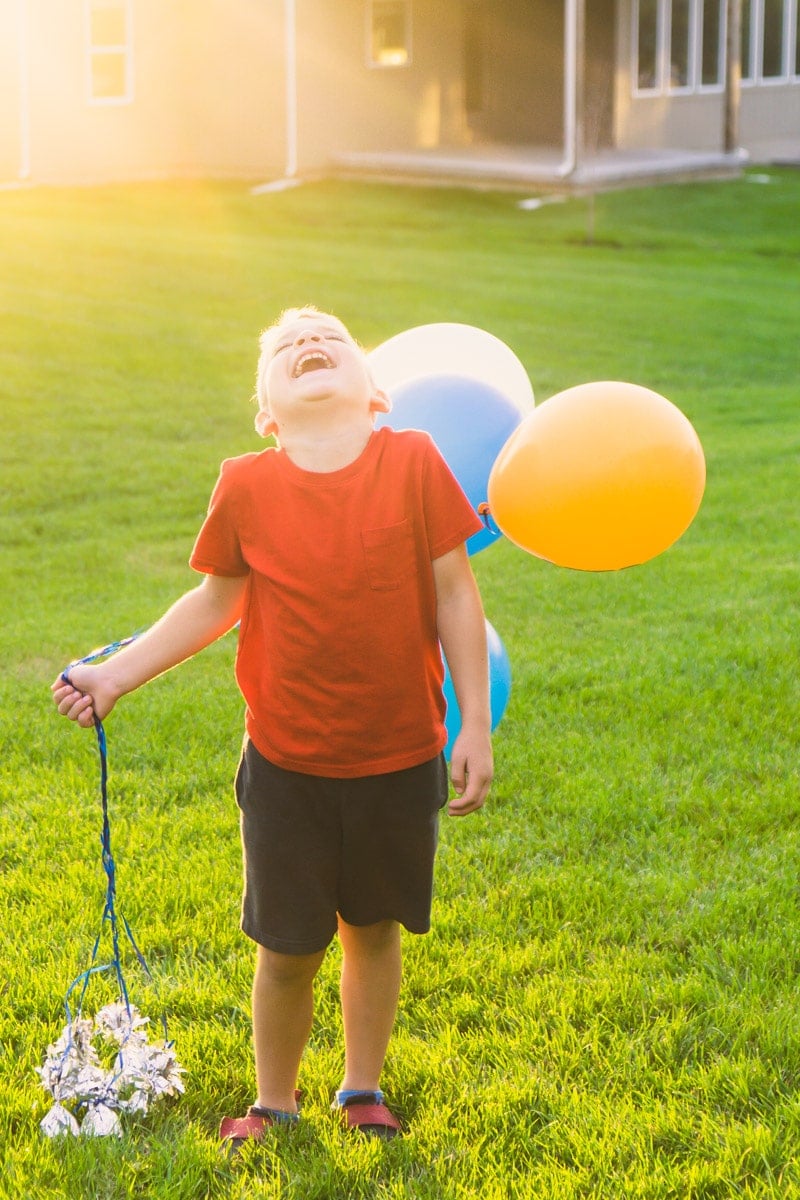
<point>307,335</point>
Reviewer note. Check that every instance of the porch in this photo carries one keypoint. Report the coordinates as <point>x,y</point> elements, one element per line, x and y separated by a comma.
<point>540,168</point>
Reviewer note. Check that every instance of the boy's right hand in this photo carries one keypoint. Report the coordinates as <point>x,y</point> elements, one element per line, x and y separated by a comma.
<point>87,695</point>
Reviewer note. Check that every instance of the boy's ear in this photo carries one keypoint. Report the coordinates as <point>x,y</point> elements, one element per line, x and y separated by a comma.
<point>380,402</point>
<point>264,423</point>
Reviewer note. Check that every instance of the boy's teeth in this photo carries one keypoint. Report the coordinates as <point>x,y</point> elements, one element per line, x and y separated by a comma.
<point>315,357</point>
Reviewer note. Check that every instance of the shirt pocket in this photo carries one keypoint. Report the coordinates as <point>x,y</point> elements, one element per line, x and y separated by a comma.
<point>389,554</point>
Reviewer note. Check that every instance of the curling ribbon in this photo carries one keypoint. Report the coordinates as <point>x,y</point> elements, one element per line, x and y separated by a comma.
<point>110,910</point>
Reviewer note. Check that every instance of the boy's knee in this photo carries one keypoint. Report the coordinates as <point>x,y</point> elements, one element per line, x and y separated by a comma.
<point>287,969</point>
<point>369,939</point>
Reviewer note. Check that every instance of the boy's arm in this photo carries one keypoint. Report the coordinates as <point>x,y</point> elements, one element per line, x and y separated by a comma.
<point>198,618</point>
<point>462,632</point>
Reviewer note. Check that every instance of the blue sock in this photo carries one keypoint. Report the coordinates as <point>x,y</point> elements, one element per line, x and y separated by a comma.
<point>277,1114</point>
<point>344,1097</point>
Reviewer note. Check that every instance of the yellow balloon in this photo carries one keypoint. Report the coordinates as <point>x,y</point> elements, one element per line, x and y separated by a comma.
<point>599,477</point>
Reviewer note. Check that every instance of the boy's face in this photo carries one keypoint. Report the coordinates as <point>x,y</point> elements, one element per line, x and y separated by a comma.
<point>315,367</point>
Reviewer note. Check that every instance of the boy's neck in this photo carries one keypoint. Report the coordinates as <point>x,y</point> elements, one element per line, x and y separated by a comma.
<point>326,450</point>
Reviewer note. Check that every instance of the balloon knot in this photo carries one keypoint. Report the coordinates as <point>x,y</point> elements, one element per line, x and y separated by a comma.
<point>485,513</point>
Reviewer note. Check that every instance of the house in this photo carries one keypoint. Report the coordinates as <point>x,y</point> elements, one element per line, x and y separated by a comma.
<point>553,92</point>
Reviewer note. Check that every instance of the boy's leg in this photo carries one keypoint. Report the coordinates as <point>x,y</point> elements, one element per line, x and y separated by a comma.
<point>283,1004</point>
<point>370,989</point>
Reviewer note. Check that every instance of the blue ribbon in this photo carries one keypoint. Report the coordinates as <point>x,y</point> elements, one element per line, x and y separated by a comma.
<point>109,910</point>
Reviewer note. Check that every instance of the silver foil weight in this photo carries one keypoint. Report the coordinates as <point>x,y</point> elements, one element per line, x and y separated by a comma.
<point>104,1067</point>
<point>59,1122</point>
<point>101,1121</point>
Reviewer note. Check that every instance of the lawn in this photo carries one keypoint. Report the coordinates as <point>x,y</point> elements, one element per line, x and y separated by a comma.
<point>607,1005</point>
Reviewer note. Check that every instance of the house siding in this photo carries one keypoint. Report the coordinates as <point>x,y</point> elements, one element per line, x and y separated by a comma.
<point>348,105</point>
<point>207,97</point>
<point>769,116</point>
<point>12,154</point>
<point>523,63</point>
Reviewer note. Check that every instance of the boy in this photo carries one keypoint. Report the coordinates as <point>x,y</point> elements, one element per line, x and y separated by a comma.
<point>341,553</point>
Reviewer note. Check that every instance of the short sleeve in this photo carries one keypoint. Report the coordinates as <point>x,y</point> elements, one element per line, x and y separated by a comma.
<point>217,549</point>
<point>449,517</point>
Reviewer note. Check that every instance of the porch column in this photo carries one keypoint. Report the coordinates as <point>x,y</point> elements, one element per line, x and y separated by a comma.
<point>574,76</point>
<point>733,73</point>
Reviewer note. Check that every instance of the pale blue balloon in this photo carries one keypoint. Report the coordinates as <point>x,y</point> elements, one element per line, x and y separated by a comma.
<point>499,688</point>
<point>469,421</point>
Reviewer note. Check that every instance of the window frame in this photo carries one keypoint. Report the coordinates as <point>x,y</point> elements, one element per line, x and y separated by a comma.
<point>375,64</point>
<point>753,75</point>
<point>752,71</point>
<point>120,50</point>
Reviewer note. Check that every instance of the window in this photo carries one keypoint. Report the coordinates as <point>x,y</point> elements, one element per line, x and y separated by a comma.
<point>109,50</point>
<point>679,44</point>
<point>389,33</point>
<point>647,44</point>
<point>772,50</point>
<point>711,56</point>
<point>747,40</point>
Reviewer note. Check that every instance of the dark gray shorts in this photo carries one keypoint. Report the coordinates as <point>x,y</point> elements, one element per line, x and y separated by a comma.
<point>314,847</point>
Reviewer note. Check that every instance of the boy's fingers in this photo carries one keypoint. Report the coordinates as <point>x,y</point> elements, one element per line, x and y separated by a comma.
<point>73,704</point>
<point>471,794</point>
<point>466,804</point>
<point>471,777</point>
<point>458,777</point>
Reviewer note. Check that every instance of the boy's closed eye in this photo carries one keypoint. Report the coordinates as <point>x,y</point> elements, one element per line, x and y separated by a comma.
<point>329,336</point>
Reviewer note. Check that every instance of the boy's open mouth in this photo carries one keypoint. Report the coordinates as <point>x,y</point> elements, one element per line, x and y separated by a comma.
<point>312,360</point>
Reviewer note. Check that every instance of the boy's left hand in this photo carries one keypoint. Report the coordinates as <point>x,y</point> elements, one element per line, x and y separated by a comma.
<point>471,770</point>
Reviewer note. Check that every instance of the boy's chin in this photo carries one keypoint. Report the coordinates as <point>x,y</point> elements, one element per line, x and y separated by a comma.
<point>334,402</point>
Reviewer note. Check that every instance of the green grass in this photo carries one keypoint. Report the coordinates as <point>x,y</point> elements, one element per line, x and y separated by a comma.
<point>607,1006</point>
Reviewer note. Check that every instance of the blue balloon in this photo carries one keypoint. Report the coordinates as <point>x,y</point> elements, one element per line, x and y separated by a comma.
<point>499,689</point>
<point>469,421</point>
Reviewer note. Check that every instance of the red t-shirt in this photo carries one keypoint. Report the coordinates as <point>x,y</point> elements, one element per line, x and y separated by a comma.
<point>338,657</point>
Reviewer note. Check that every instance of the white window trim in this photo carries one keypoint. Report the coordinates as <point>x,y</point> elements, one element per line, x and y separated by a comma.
<point>789,13</point>
<point>749,77</point>
<point>388,66</point>
<point>125,49</point>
